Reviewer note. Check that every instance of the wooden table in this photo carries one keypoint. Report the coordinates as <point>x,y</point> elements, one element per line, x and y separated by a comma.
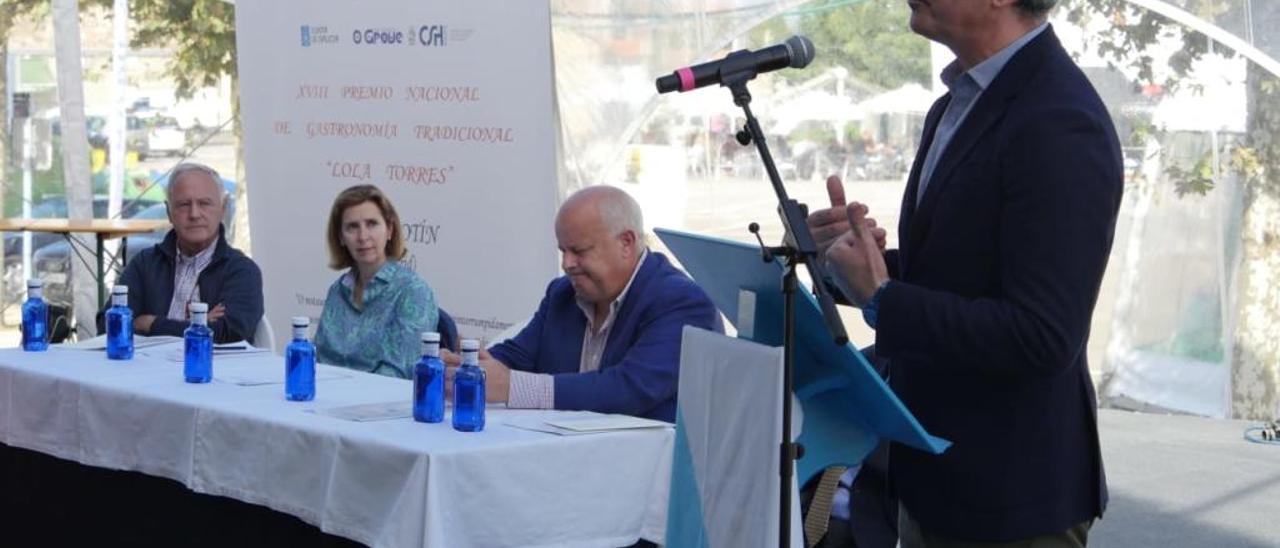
<point>102,229</point>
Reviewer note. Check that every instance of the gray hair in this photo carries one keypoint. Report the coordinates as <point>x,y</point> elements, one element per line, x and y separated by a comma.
<point>618,211</point>
<point>1036,8</point>
<point>184,168</point>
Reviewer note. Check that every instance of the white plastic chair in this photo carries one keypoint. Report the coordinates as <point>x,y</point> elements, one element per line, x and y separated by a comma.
<point>264,337</point>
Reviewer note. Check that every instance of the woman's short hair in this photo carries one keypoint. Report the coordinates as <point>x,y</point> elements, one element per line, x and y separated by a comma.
<point>339,257</point>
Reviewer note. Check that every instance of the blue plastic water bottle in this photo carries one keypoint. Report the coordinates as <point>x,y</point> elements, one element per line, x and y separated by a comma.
<point>428,381</point>
<point>300,364</point>
<point>468,390</point>
<point>35,319</point>
<point>119,325</point>
<point>197,365</point>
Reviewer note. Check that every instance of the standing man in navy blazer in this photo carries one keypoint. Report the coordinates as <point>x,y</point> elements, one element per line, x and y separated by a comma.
<point>984,310</point>
<point>606,336</point>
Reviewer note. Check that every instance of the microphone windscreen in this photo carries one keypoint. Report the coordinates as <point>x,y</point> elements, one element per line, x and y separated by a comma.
<point>801,51</point>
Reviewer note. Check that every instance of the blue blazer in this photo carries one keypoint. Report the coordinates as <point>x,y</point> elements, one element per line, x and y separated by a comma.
<point>640,368</point>
<point>1002,263</point>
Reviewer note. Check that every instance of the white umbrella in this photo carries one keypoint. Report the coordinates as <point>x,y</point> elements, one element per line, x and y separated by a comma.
<point>908,98</point>
<point>817,106</point>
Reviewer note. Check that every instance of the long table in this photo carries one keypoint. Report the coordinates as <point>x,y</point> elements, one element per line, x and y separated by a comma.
<point>382,483</point>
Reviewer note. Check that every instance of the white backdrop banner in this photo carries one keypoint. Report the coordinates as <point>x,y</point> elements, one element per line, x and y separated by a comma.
<point>446,106</point>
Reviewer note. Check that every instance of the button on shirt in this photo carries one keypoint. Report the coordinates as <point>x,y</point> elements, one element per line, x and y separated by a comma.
<point>537,390</point>
<point>185,274</point>
<point>966,87</point>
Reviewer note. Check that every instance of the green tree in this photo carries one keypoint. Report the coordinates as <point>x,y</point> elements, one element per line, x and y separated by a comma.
<point>870,38</point>
<point>11,11</point>
<point>203,35</point>
<point>1131,40</point>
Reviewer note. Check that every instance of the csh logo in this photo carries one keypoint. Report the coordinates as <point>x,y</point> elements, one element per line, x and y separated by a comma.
<point>377,37</point>
<point>437,35</point>
<point>431,35</point>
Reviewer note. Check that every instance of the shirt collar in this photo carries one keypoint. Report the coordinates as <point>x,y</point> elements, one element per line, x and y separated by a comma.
<point>202,256</point>
<point>384,273</point>
<point>985,72</point>
<point>589,308</point>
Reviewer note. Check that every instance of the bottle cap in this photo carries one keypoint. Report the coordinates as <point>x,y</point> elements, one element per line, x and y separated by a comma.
<point>120,290</point>
<point>198,308</point>
<point>35,282</point>
<point>430,337</point>
<point>301,321</point>
<point>470,345</point>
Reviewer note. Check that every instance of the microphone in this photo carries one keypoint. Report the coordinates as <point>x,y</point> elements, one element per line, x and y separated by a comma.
<point>796,52</point>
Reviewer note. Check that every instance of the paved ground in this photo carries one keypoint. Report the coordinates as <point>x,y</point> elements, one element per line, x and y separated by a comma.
<point>1181,481</point>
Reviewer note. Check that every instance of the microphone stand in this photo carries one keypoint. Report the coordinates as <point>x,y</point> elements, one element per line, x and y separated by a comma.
<point>797,248</point>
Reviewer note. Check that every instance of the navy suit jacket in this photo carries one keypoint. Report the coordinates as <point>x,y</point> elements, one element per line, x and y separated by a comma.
<point>987,325</point>
<point>231,279</point>
<point>640,367</point>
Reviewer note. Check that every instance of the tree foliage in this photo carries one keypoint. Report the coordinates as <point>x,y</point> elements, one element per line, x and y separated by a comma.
<point>1131,40</point>
<point>870,38</point>
<point>202,32</point>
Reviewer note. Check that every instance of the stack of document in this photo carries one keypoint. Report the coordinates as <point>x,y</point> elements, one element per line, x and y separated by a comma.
<point>139,342</point>
<point>220,352</point>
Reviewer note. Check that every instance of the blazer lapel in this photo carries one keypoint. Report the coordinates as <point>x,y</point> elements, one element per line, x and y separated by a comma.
<point>908,209</point>
<point>623,322</point>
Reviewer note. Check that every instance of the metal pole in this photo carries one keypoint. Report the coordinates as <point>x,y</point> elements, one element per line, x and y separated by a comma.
<point>28,151</point>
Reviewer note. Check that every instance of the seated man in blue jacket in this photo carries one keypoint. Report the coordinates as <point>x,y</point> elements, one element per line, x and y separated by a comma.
<point>606,336</point>
<point>194,263</point>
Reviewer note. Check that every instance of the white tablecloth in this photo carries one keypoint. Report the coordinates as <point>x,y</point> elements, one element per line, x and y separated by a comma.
<point>386,483</point>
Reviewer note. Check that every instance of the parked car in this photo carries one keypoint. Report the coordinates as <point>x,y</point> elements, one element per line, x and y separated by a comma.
<point>99,130</point>
<point>165,137</point>
<point>53,261</point>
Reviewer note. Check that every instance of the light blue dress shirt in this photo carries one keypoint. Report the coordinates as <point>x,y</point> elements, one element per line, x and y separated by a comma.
<point>966,87</point>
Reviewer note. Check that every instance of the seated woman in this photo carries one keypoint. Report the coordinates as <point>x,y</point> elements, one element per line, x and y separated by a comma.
<point>376,311</point>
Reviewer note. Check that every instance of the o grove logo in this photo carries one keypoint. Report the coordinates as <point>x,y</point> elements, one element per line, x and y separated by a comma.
<point>378,37</point>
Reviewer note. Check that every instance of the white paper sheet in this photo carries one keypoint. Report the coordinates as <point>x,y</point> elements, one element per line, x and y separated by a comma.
<point>259,376</point>
<point>220,352</point>
<point>597,422</point>
<point>369,412</point>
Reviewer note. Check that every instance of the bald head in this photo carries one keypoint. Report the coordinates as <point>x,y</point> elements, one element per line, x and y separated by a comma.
<point>616,209</point>
<point>600,232</point>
